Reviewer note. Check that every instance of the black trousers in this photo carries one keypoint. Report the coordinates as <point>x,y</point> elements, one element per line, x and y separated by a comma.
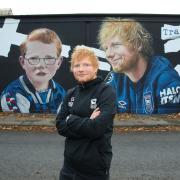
<point>68,173</point>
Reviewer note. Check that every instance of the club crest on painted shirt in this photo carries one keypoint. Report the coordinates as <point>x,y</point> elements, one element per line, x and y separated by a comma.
<point>148,102</point>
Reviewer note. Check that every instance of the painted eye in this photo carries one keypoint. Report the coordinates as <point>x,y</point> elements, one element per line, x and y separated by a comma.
<point>50,60</point>
<point>33,61</point>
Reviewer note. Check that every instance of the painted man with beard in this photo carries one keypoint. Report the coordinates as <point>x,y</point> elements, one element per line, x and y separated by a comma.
<point>144,83</point>
<point>36,91</point>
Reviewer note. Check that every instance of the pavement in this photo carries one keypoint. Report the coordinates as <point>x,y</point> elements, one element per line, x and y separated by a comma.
<point>121,120</point>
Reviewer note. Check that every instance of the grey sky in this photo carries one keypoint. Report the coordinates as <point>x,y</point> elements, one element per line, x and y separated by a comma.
<point>22,7</point>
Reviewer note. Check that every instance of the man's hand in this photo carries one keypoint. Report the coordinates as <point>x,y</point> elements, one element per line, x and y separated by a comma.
<point>95,113</point>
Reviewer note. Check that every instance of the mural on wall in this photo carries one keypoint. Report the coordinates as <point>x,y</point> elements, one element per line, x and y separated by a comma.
<point>36,81</point>
<point>172,34</point>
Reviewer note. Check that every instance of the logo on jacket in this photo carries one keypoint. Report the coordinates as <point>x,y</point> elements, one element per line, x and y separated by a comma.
<point>71,102</point>
<point>93,104</point>
<point>122,104</point>
<point>148,102</point>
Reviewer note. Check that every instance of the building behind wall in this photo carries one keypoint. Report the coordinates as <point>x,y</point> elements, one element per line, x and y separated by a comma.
<point>5,11</point>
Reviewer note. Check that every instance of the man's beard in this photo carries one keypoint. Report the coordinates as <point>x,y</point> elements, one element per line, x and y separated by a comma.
<point>124,66</point>
<point>117,69</point>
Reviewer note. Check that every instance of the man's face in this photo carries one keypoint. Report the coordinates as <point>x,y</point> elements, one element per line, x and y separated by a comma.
<point>84,70</point>
<point>43,69</point>
<point>122,58</point>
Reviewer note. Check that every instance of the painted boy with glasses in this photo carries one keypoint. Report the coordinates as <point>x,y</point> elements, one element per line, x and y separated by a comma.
<point>144,83</point>
<point>36,91</point>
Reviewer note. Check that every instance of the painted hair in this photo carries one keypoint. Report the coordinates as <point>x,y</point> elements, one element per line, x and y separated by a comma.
<point>81,52</point>
<point>44,35</point>
<point>130,32</point>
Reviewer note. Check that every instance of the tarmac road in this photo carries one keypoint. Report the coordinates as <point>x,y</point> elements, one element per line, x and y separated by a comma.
<point>137,156</point>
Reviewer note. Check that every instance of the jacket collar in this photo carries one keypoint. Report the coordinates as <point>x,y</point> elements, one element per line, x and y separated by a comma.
<point>31,87</point>
<point>89,84</point>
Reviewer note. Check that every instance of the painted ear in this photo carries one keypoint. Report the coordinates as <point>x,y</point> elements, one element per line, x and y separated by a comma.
<point>60,59</point>
<point>21,60</point>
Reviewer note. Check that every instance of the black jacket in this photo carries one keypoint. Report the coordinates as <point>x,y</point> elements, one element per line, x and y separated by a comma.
<point>88,142</point>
